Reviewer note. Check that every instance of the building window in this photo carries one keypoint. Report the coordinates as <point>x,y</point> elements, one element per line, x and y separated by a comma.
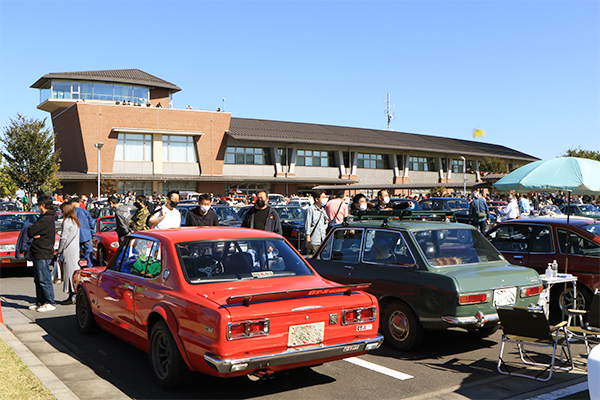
<point>134,147</point>
<point>421,164</point>
<point>178,148</point>
<point>247,155</point>
<point>313,158</point>
<point>372,161</point>
<point>95,91</point>
<point>178,185</point>
<point>457,166</point>
<point>282,156</point>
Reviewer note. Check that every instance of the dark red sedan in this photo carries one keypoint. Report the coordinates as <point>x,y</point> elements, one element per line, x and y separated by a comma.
<point>535,242</point>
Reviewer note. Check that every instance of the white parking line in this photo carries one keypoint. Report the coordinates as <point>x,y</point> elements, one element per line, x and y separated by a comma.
<point>378,368</point>
<point>557,394</point>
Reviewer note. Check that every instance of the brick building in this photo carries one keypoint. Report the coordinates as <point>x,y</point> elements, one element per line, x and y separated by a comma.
<point>149,146</point>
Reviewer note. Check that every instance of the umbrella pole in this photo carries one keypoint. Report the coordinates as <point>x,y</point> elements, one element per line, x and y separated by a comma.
<point>568,236</point>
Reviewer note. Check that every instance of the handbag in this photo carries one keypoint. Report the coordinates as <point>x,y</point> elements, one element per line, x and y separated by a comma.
<point>56,273</point>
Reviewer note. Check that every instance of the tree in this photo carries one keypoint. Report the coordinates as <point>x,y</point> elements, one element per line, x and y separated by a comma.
<point>7,185</point>
<point>578,152</point>
<point>109,186</point>
<point>493,165</point>
<point>437,191</point>
<point>31,160</point>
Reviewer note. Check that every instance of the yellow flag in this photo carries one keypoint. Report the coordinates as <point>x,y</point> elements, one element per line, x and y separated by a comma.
<point>478,132</point>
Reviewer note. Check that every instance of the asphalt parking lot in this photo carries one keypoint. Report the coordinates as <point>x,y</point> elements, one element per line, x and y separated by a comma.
<point>449,364</point>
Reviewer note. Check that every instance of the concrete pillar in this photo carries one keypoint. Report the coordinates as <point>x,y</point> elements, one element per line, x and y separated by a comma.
<point>395,166</point>
<point>449,164</point>
<point>292,162</point>
<point>340,159</point>
<point>440,169</point>
<point>277,161</point>
<point>157,153</point>
<point>354,164</point>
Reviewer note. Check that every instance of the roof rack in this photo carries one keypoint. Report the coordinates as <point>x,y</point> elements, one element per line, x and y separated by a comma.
<point>400,215</point>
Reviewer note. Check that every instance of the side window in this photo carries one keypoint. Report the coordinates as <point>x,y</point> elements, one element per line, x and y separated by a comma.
<point>136,256</point>
<point>426,205</point>
<point>542,240</point>
<point>578,245</point>
<point>148,265</point>
<point>511,238</point>
<point>438,205</point>
<point>344,246</point>
<point>386,247</point>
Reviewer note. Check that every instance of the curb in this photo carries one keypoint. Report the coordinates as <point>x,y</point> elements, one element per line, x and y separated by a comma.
<point>52,383</point>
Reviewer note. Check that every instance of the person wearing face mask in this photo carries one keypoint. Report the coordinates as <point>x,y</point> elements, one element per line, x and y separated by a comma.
<point>139,220</point>
<point>167,216</point>
<point>261,216</point>
<point>202,215</point>
<point>384,200</point>
<point>360,203</point>
<point>315,222</point>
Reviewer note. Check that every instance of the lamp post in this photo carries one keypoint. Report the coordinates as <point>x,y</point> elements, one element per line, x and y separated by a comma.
<point>99,146</point>
<point>464,160</point>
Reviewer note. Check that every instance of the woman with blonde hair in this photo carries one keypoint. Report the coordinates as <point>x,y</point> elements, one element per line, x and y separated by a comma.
<point>69,249</point>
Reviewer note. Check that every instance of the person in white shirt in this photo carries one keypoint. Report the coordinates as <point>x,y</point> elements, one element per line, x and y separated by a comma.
<point>511,211</point>
<point>167,216</point>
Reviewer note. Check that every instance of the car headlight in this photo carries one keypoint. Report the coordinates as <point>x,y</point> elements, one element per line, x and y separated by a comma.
<point>114,245</point>
<point>7,248</point>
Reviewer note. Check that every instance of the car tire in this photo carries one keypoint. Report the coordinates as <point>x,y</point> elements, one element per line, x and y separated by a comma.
<point>83,312</point>
<point>564,298</point>
<point>101,256</point>
<point>485,331</point>
<point>401,327</point>
<point>165,360</point>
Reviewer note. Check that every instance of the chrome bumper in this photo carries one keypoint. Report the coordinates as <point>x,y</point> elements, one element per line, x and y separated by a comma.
<point>292,356</point>
<point>478,320</point>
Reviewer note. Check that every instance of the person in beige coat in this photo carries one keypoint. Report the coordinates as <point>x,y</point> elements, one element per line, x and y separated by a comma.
<point>69,249</point>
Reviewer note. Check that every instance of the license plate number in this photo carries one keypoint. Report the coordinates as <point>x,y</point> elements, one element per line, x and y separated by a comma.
<point>505,297</point>
<point>299,335</point>
<point>367,327</point>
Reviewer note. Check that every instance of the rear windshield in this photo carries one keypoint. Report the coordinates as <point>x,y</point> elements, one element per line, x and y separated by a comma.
<point>229,260</point>
<point>455,247</point>
<point>15,222</point>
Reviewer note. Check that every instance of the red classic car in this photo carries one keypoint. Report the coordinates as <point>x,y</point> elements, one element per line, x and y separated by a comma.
<point>224,301</point>
<point>105,241</point>
<point>11,224</point>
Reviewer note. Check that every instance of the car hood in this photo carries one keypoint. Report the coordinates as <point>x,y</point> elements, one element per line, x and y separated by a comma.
<point>478,277</point>
<point>9,237</point>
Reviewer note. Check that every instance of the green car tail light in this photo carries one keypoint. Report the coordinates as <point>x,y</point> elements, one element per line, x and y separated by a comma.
<point>474,298</point>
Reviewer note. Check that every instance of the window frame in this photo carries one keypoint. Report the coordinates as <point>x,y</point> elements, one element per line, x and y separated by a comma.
<point>372,159</point>
<point>264,153</point>
<point>402,237</point>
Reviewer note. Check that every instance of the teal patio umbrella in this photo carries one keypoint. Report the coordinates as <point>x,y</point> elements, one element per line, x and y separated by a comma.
<point>569,174</point>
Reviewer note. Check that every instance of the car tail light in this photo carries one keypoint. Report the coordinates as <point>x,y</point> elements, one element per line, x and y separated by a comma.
<point>248,329</point>
<point>295,232</point>
<point>359,315</point>
<point>474,298</point>
<point>531,291</point>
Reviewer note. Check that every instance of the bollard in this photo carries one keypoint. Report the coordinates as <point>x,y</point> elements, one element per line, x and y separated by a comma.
<point>594,373</point>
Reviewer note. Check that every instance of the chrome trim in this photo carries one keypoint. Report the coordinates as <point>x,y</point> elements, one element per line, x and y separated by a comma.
<point>265,331</point>
<point>461,321</point>
<point>292,356</point>
<point>359,318</point>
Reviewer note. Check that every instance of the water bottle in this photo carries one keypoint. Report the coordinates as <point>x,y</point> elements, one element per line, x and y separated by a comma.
<point>554,268</point>
<point>549,271</point>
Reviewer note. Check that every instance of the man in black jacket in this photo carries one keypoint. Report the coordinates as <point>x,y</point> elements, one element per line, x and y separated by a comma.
<point>261,216</point>
<point>202,215</point>
<point>42,251</point>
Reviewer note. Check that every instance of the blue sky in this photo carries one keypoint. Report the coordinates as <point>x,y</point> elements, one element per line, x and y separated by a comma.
<point>526,72</point>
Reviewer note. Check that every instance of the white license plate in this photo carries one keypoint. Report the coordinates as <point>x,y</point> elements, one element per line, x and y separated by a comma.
<point>30,263</point>
<point>299,335</point>
<point>505,297</point>
<point>367,327</point>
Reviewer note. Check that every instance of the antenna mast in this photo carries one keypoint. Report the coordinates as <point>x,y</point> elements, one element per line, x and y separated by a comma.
<point>389,111</point>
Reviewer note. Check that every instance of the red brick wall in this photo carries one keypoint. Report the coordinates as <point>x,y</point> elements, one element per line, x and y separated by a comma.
<point>159,96</point>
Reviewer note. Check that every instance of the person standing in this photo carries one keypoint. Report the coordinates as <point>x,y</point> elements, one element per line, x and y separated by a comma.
<point>202,215</point>
<point>167,216</point>
<point>86,231</point>
<point>336,209</point>
<point>122,217</point>
<point>479,212</point>
<point>42,252</point>
<point>68,248</point>
<point>315,222</point>
<point>139,220</point>
<point>261,216</point>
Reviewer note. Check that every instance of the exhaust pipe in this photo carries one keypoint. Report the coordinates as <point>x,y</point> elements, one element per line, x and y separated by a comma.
<point>261,375</point>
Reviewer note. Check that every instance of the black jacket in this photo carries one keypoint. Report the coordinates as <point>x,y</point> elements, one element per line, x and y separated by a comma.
<point>43,247</point>
<point>193,218</point>
<point>272,225</point>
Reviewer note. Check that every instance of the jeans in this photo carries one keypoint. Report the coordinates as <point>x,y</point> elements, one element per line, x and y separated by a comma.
<point>87,251</point>
<point>44,291</point>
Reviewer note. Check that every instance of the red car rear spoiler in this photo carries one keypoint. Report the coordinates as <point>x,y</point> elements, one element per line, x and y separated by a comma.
<point>288,294</point>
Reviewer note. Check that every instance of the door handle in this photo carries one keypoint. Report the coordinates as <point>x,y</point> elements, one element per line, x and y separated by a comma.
<point>348,267</point>
<point>130,288</point>
<point>519,257</point>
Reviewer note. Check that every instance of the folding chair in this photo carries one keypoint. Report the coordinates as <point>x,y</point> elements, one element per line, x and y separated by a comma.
<point>527,327</point>
<point>590,329</point>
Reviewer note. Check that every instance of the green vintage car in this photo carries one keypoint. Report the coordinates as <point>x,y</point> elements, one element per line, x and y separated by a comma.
<point>426,275</point>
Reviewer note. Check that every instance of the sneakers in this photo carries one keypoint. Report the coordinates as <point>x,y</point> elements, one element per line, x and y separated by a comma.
<point>34,307</point>
<point>46,307</point>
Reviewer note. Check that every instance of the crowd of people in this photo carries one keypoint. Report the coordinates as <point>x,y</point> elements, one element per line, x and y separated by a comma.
<point>160,212</point>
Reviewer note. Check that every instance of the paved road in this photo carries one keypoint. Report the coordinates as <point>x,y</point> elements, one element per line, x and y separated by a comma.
<point>449,364</point>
